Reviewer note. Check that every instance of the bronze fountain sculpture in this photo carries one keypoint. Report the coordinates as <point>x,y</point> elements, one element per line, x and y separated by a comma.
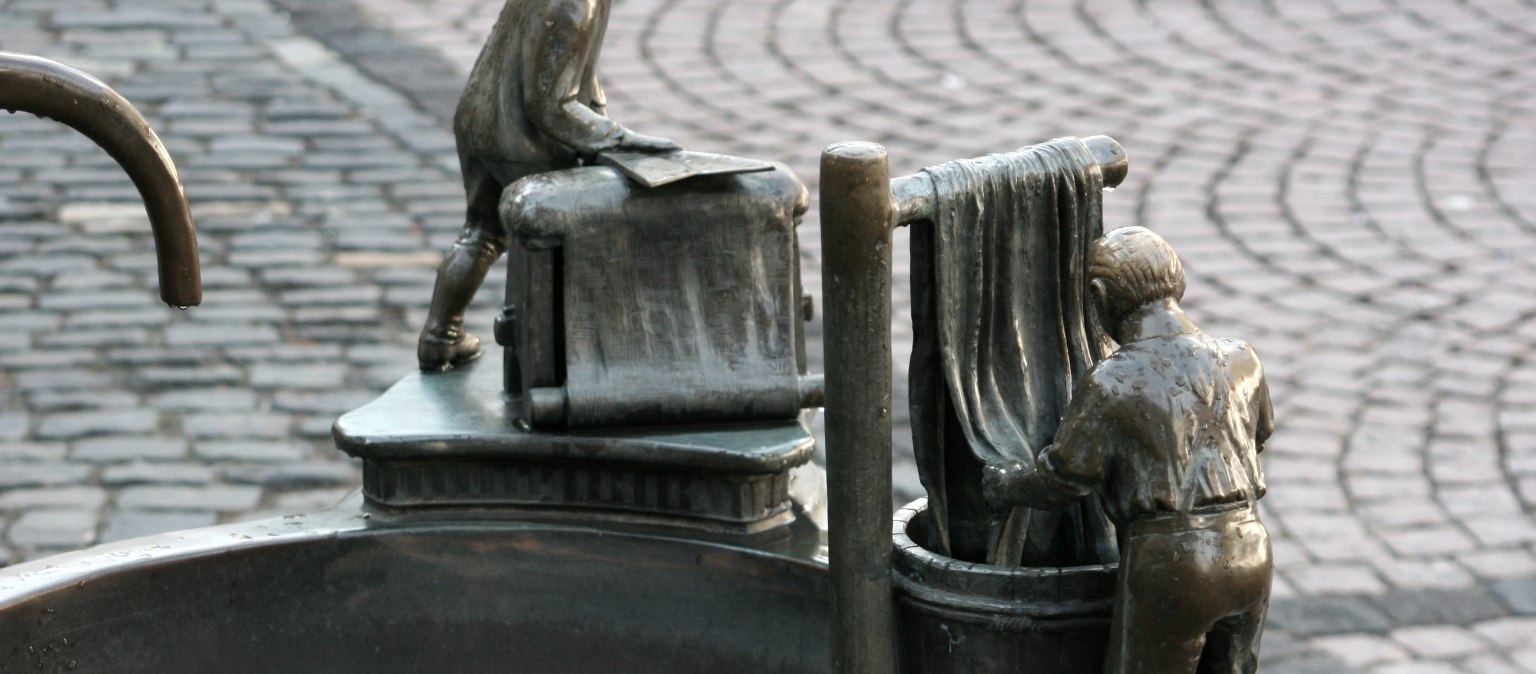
<point>1167,431</point>
<point>633,486</point>
<point>533,104</point>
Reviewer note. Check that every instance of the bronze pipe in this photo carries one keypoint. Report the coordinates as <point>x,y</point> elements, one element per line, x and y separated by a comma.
<point>55,91</point>
<point>856,283</point>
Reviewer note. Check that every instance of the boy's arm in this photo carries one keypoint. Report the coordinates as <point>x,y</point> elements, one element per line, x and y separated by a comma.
<point>1068,469</point>
<point>1265,412</point>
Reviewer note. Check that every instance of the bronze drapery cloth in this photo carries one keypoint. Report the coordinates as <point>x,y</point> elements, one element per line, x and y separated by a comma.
<point>680,303</point>
<point>1002,331</point>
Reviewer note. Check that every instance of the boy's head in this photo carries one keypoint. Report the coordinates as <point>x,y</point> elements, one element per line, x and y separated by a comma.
<point>1130,267</point>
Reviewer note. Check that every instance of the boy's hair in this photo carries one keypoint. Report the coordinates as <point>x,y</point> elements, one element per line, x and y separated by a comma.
<point>1137,266</point>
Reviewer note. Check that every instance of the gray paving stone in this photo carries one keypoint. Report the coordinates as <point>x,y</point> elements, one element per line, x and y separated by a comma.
<point>236,426</point>
<point>30,451</point>
<point>1311,664</point>
<point>53,528</point>
<point>298,375</point>
<point>1491,664</point>
<point>140,472</point>
<point>41,474</point>
<point>53,401</point>
<point>56,498</point>
<point>119,448</point>
<point>219,497</point>
<point>157,357</point>
<point>315,428</point>
<point>1508,632</point>
<point>1326,615</point>
<point>125,524</point>
<point>196,334</point>
<point>14,425</point>
<point>65,425</point>
<point>1418,668</point>
<point>311,500</point>
<point>251,451</point>
<point>206,399</point>
<point>306,475</point>
<point>1519,594</point>
<point>129,18</point>
<point>200,376</point>
<point>332,403</point>
<point>1360,650</point>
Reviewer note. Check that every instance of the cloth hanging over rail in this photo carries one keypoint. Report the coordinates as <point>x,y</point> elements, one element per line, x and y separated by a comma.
<point>1002,332</point>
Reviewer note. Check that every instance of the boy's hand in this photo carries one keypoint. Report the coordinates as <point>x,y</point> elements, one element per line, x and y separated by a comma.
<point>1000,481</point>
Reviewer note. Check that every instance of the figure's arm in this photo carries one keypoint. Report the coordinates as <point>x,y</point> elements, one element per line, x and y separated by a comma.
<point>1067,470</point>
<point>553,79</point>
<point>1265,412</point>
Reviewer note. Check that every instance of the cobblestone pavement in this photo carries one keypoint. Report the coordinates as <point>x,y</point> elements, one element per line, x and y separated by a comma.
<point>1348,181</point>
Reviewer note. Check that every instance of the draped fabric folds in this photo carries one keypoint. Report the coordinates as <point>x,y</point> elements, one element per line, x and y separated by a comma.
<point>1002,332</point>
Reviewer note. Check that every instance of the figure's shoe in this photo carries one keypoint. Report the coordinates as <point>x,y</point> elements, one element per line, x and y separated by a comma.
<point>439,352</point>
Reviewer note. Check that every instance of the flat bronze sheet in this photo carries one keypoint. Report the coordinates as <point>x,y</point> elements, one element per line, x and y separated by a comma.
<point>655,170</point>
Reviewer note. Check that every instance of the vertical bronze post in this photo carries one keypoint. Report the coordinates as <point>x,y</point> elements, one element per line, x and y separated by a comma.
<point>856,283</point>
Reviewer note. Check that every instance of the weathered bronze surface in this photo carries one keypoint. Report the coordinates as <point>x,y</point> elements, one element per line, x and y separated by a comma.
<point>1044,316</point>
<point>970,618</point>
<point>1001,330</point>
<point>437,441</point>
<point>341,591</point>
<point>1166,432</point>
<point>856,284</point>
<point>56,91</point>
<point>532,104</point>
<point>629,305</point>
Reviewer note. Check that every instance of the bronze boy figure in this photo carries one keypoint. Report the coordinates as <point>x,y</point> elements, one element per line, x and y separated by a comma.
<point>532,105</point>
<point>1167,431</point>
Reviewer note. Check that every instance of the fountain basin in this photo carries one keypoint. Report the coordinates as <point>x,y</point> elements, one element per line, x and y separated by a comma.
<point>338,591</point>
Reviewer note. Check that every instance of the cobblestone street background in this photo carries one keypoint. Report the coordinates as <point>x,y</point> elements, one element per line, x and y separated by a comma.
<point>1349,183</point>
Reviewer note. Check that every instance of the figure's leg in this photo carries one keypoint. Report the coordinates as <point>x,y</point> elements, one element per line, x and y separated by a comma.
<point>444,343</point>
<point>1232,646</point>
<point>1154,630</point>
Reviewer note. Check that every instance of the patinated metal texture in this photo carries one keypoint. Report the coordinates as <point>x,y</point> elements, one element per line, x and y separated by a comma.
<point>675,304</point>
<point>532,104</point>
<point>1001,330</point>
<point>970,618</point>
<point>1166,432</point>
<point>860,206</point>
<point>343,592</point>
<point>440,440</point>
<point>856,238</point>
<point>56,91</point>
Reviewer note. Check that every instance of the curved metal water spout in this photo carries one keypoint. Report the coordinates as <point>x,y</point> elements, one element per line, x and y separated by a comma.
<point>82,102</point>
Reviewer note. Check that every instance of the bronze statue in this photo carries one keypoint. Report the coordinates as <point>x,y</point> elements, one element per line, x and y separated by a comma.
<point>1000,331</point>
<point>1166,431</point>
<point>532,104</point>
